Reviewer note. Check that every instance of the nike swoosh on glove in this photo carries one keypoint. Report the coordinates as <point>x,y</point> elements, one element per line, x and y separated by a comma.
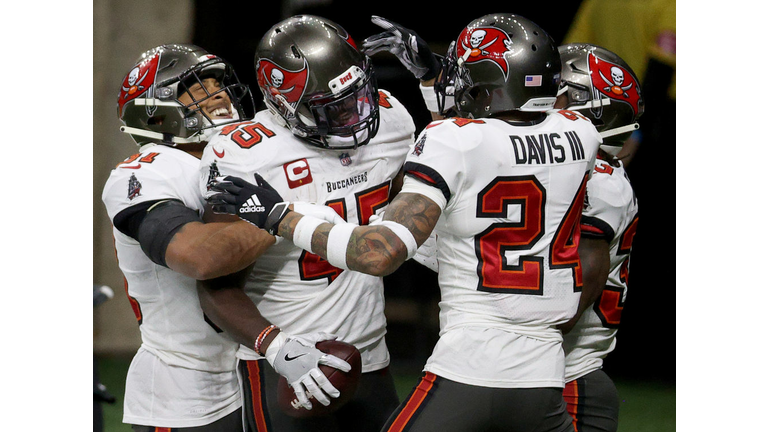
<point>259,204</point>
<point>297,359</point>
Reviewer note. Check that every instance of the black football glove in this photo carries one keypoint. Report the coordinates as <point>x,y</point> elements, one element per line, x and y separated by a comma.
<point>409,48</point>
<point>258,204</point>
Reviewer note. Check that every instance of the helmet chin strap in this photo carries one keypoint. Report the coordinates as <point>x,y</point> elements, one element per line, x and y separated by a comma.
<point>350,142</point>
<point>203,136</point>
<point>614,150</point>
<point>159,136</point>
<point>620,130</point>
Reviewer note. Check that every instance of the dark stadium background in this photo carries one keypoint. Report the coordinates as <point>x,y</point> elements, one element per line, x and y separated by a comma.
<point>646,339</point>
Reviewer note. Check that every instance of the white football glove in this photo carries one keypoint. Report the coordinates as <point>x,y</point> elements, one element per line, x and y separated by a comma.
<point>297,359</point>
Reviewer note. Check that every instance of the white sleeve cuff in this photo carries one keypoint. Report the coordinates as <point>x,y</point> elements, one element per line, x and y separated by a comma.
<point>411,185</point>
<point>430,98</point>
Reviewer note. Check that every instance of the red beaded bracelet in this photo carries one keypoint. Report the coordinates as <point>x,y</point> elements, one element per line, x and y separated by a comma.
<point>262,336</point>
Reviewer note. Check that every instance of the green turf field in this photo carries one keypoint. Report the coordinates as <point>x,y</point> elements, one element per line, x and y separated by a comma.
<point>645,407</point>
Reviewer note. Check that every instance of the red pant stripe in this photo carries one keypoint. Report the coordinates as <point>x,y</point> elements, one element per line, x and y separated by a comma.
<point>417,398</point>
<point>254,380</point>
<point>571,396</point>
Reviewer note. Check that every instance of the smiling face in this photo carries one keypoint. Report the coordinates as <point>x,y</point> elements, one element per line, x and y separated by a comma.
<point>215,107</point>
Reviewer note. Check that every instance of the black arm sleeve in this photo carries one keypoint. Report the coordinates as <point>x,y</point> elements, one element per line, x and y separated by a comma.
<point>153,225</point>
<point>129,220</point>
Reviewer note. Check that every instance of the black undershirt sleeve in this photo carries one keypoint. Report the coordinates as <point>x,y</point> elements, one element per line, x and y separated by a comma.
<point>129,220</point>
<point>153,224</point>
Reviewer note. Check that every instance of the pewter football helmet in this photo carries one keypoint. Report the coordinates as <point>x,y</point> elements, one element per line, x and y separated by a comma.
<point>149,105</point>
<point>501,62</point>
<point>602,87</point>
<point>318,83</point>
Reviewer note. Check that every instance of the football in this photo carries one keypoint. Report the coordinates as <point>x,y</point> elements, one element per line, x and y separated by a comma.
<point>346,383</point>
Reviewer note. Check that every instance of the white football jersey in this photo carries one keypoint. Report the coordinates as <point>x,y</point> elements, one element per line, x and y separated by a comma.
<point>511,195</point>
<point>611,213</point>
<point>296,290</point>
<point>173,327</point>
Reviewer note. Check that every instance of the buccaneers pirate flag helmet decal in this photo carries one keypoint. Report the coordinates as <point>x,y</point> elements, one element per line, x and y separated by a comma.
<point>140,79</point>
<point>282,82</point>
<point>485,44</point>
<point>614,81</point>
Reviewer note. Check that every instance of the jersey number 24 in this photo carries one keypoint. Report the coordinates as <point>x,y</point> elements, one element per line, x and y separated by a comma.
<point>527,276</point>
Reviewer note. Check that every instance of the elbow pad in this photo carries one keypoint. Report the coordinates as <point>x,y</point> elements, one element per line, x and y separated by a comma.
<point>161,223</point>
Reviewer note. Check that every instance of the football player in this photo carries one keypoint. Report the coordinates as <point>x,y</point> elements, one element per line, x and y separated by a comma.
<point>503,185</point>
<point>183,375</point>
<point>328,136</point>
<point>600,85</point>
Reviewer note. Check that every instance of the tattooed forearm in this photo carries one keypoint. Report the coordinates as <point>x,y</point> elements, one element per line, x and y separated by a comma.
<point>288,225</point>
<point>375,250</point>
<point>320,240</point>
<point>416,212</point>
<point>287,228</point>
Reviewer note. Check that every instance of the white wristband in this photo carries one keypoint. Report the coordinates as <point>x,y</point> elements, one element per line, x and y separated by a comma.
<point>302,234</point>
<point>338,240</point>
<point>430,98</point>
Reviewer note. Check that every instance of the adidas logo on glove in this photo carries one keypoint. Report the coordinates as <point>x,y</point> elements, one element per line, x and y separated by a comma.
<point>253,205</point>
